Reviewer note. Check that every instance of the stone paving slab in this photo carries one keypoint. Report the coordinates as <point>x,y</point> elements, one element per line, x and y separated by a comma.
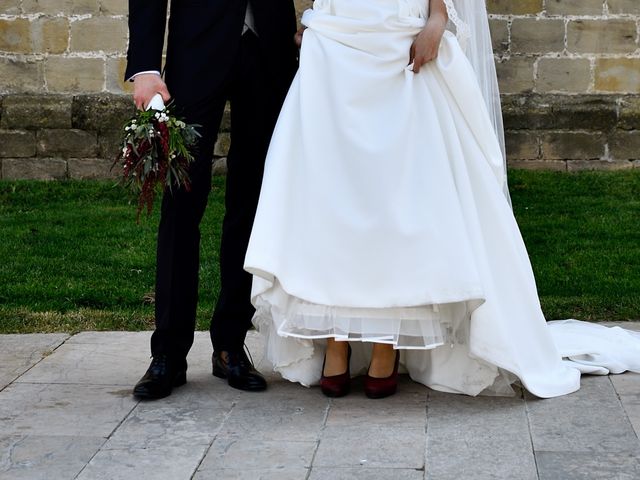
<point>18,353</point>
<point>489,435</point>
<point>35,457</point>
<point>66,412</point>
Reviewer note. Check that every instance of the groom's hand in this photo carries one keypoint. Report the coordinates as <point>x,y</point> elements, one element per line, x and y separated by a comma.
<point>145,86</point>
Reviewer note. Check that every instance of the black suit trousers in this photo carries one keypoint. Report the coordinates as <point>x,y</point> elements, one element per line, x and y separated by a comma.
<point>255,105</point>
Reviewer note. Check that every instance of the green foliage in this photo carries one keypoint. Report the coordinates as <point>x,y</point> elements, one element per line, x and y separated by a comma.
<point>73,257</point>
<point>582,232</point>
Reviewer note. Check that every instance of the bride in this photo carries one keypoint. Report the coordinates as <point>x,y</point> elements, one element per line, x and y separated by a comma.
<point>384,236</point>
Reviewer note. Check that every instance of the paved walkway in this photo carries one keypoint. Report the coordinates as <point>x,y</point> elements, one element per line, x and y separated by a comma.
<point>66,412</point>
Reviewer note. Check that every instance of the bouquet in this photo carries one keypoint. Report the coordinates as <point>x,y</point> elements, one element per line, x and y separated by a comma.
<point>156,153</point>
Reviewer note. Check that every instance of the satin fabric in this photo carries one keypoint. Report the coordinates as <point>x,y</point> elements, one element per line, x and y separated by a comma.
<point>382,217</point>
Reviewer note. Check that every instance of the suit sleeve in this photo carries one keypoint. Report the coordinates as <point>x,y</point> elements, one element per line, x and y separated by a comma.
<point>147,23</point>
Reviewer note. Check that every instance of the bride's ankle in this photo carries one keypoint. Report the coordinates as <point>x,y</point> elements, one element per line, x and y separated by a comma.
<point>383,359</point>
<point>336,358</point>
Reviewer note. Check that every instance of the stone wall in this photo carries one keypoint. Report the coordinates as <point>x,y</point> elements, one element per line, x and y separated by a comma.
<point>569,71</point>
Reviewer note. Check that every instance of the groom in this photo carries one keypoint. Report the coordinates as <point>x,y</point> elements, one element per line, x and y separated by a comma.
<point>217,50</point>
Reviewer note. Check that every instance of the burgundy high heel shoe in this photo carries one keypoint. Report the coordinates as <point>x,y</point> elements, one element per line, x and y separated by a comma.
<point>337,385</point>
<point>382,387</point>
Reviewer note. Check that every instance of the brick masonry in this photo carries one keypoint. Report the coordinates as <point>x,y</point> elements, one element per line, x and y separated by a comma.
<point>569,71</point>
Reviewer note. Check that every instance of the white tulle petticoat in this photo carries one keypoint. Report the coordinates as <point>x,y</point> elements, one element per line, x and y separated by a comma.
<point>382,217</point>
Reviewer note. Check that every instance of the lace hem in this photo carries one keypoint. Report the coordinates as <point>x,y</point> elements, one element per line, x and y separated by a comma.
<point>463,32</point>
<point>421,327</point>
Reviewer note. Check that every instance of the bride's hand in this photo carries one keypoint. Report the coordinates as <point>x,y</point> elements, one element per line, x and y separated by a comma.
<point>298,36</point>
<point>425,47</point>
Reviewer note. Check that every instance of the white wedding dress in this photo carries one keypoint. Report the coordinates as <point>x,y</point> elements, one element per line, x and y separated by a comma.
<point>382,219</point>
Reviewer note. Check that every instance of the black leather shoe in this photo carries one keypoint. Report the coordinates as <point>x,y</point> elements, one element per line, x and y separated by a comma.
<point>163,374</point>
<point>238,371</point>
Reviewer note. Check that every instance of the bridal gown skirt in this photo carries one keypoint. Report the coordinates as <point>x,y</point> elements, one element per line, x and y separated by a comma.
<point>382,216</point>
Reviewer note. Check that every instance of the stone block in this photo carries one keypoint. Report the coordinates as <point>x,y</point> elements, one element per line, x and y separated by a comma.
<point>21,75</point>
<point>17,143</point>
<point>20,352</point>
<point>225,125</point>
<point>67,143</point>
<point>36,111</point>
<point>76,362</point>
<point>618,75</point>
<point>592,466</point>
<point>73,74</point>
<point>605,165</point>
<point>279,414</point>
<point>90,168</point>
<point>509,7</point>
<point>629,112</point>
<point>575,423</point>
<point>114,7</point>
<point>574,7</point>
<point>34,169</point>
<point>601,36</point>
<point>563,75</point>
<point>192,421</point>
<point>109,144</point>
<point>95,34</point>
<point>71,410</point>
<point>232,453</point>
<point>624,6</point>
<point>223,143</point>
<point>102,113</point>
<point>29,457</point>
<point>219,166</point>
<point>115,76</point>
<point>562,145</point>
<point>56,7</point>
<point>385,447</point>
<point>499,35</point>
<point>175,463</point>
<point>363,473</point>
<point>10,7</point>
<point>625,145</point>
<point>14,35</point>
<point>515,75</point>
<point>522,145</point>
<point>556,112</point>
<point>534,35</point>
<point>301,6</point>
<point>553,165</point>
<point>490,438</point>
<point>50,35</point>
<point>404,410</point>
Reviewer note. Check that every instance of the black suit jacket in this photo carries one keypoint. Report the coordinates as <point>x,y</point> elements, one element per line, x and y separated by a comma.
<point>203,39</point>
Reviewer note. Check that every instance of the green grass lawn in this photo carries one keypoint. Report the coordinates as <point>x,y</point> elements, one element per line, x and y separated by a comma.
<point>73,257</point>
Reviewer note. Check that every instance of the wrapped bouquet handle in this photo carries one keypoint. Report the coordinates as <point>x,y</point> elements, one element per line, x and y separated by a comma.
<point>157,150</point>
<point>156,103</point>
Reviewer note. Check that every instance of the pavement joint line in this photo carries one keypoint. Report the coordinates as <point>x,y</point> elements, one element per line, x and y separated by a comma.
<point>42,357</point>
<point>319,437</point>
<point>533,449</point>
<point>137,402</point>
<point>626,414</point>
<point>425,456</point>
<point>215,437</point>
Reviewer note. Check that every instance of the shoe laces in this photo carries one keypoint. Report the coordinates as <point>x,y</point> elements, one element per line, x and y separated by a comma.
<point>243,357</point>
<point>159,364</point>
